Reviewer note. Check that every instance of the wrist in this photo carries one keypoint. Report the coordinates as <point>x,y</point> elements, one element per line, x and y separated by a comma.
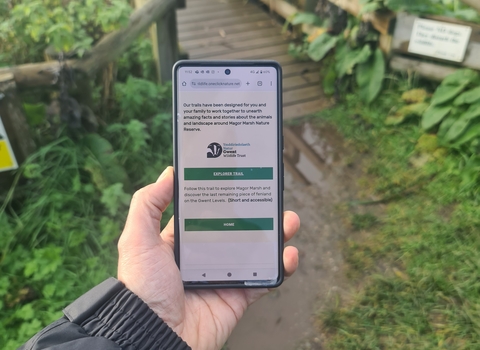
<point>112,311</point>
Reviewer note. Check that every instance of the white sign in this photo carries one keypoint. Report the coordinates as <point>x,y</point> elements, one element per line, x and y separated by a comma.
<point>439,39</point>
<point>7,158</point>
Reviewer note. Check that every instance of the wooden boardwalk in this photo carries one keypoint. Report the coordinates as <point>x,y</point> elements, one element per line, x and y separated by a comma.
<point>235,29</point>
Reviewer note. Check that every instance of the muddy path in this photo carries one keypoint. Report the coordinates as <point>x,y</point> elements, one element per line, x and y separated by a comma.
<point>317,180</point>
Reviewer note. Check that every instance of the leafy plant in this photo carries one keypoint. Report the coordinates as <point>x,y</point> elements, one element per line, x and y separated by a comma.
<point>51,240</point>
<point>60,221</point>
<point>370,75</point>
<point>140,98</point>
<point>450,8</point>
<point>321,46</point>
<point>28,27</point>
<point>60,226</point>
<point>455,107</point>
<point>356,55</point>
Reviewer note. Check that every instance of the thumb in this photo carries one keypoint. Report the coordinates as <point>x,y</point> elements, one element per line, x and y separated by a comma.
<point>143,222</point>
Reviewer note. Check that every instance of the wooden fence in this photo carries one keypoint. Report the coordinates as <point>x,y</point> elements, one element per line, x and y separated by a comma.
<point>45,74</point>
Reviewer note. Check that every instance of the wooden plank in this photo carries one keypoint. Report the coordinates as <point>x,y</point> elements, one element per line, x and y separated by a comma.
<point>304,109</point>
<point>264,52</point>
<point>303,147</point>
<point>289,150</point>
<point>185,17</point>
<point>284,59</point>
<point>296,82</point>
<point>224,21</point>
<point>229,38</point>
<point>201,3</point>
<point>292,169</point>
<point>236,46</point>
<point>431,71</point>
<point>217,12</point>
<point>225,30</point>
<point>211,6</point>
<point>403,32</point>
<point>301,95</point>
<point>301,68</point>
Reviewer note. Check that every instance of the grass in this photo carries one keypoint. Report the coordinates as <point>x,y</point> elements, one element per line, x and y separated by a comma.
<point>420,264</point>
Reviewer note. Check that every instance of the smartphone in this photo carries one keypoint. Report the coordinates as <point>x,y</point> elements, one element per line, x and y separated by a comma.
<point>228,173</point>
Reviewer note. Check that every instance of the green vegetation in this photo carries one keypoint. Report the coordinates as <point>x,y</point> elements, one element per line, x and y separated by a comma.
<point>357,61</point>
<point>449,8</point>
<point>418,260</point>
<point>60,223</point>
<point>27,27</point>
<point>455,107</point>
<point>350,48</point>
<point>61,219</point>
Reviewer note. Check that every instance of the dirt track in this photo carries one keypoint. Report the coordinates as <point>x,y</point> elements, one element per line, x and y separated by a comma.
<point>285,319</point>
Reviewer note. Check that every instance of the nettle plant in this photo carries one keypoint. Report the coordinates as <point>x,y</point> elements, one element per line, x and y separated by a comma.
<point>28,27</point>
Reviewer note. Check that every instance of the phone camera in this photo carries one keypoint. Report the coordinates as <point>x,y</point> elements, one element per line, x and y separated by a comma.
<point>228,71</point>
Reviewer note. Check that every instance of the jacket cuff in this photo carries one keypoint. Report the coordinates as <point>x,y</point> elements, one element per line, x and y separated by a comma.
<point>112,311</point>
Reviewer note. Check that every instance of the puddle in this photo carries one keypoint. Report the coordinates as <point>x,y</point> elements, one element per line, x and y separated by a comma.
<point>316,180</point>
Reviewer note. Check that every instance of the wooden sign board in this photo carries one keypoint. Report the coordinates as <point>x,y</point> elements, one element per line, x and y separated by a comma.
<point>7,157</point>
<point>439,39</point>
<point>446,40</point>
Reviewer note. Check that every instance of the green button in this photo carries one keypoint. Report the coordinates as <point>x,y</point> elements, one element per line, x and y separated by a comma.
<point>248,224</point>
<point>228,173</point>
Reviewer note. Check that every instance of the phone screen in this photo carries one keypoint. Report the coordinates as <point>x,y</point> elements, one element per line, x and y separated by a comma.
<point>228,169</point>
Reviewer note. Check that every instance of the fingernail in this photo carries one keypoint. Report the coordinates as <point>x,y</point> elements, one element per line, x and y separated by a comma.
<point>162,175</point>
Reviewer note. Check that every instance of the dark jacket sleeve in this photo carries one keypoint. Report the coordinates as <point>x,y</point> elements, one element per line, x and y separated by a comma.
<point>107,317</point>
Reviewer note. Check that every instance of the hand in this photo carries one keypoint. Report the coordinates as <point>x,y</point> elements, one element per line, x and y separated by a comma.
<point>203,318</point>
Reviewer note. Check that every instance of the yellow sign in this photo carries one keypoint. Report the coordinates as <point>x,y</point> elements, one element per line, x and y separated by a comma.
<point>7,158</point>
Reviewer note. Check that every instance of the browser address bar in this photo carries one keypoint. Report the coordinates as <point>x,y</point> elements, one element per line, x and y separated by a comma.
<point>215,83</point>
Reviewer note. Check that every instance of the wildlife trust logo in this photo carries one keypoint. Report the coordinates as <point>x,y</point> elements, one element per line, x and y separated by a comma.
<point>214,150</point>
<point>230,150</point>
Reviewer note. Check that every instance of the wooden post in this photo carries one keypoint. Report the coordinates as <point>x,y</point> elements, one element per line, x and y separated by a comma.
<point>164,37</point>
<point>153,39</point>
<point>15,125</point>
<point>428,70</point>
<point>167,44</point>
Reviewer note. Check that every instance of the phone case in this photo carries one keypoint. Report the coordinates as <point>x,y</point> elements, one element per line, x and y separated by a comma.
<point>233,63</point>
